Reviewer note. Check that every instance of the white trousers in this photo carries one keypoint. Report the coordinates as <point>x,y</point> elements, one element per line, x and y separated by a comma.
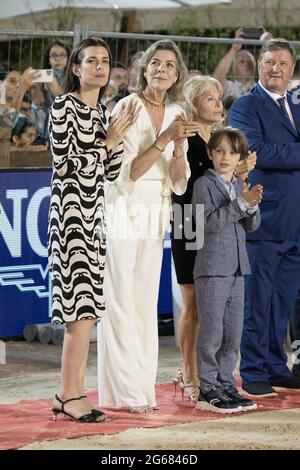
<point>128,332</point>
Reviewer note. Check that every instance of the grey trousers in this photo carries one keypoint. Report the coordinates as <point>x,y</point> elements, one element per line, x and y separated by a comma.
<point>220,306</point>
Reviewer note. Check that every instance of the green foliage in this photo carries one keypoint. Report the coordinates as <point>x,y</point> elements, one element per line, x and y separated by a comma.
<point>19,53</point>
<point>204,56</point>
<point>186,26</point>
<point>64,16</point>
<point>200,56</point>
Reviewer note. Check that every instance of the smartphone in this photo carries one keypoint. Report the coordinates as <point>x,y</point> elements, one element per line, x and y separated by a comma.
<point>45,76</point>
<point>253,32</point>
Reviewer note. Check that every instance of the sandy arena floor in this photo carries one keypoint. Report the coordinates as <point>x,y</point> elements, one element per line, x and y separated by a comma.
<point>32,371</point>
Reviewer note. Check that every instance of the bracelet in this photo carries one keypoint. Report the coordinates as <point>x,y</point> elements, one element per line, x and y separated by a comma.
<point>177,158</point>
<point>158,147</point>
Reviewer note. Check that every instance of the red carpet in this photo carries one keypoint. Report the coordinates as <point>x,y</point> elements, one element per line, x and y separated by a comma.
<point>29,421</point>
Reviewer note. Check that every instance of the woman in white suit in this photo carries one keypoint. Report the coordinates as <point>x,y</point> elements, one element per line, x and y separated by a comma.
<point>138,208</point>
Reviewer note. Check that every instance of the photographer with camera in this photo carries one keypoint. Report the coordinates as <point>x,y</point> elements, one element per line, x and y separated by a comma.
<point>55,58</point>
<point>244,69</point>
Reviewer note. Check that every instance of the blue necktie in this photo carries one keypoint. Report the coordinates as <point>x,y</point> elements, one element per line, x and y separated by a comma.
<point>281,102</point>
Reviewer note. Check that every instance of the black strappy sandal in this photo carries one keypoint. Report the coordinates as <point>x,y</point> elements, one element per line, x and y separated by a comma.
<point>94,409</point>
<point>95,416</point>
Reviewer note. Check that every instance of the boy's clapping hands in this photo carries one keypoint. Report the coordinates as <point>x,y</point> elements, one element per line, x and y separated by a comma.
<point>252,195</point>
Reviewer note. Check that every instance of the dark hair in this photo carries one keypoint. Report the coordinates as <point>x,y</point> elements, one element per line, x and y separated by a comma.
<point>228,101</point>
<point>20,126</point>
<point>72,82</point>
<point>5,72</point>
<point>27,98</point>
<point>58,42</point>
<point>236,138</point>
<point>276,45</point>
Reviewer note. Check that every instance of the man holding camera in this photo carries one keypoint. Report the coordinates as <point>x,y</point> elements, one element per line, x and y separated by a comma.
<point>243,69</point>
<point>243,63</point>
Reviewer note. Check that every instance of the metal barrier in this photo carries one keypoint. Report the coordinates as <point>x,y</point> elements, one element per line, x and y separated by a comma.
<point>23,48</point>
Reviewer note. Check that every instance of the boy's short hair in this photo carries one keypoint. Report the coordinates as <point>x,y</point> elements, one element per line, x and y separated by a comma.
<point>236,138</point>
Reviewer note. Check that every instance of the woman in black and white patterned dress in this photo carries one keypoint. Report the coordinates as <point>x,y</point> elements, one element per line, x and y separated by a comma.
<point>86,149</point>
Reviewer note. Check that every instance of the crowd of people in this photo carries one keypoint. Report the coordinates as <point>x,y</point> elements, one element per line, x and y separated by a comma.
<point>135,149</point>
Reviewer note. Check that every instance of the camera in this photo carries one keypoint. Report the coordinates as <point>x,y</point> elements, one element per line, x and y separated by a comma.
<point>253,32</point>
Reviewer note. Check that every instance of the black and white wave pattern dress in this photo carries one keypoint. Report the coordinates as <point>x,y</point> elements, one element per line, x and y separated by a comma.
<point>76,232</point>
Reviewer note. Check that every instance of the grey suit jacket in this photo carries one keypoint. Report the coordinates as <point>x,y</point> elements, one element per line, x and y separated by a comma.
<point>225,226</point>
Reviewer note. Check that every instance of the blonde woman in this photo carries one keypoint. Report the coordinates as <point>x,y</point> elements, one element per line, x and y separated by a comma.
<point>203,100</point>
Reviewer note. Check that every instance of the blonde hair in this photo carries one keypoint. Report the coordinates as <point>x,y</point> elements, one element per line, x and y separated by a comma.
<point>175,92</point>
<point>196,87</point>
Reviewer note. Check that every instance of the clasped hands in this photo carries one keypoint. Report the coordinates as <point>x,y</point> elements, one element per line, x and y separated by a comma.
<point>252,195</point>
<point>182,127</point>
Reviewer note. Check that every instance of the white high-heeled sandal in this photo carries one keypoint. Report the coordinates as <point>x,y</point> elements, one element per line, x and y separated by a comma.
<point>191,391</point>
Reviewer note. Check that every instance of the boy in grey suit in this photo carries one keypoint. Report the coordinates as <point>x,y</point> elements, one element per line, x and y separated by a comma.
<point>229,210</point>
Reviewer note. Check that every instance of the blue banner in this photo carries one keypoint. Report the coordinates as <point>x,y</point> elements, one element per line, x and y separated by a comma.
<point>24,279</point>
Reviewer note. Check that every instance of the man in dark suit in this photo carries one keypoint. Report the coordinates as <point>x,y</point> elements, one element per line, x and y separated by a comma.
<point>272,128</point>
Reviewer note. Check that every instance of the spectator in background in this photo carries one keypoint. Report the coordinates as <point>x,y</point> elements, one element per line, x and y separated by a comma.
<point>133,70</point>
<point>14,87</point>
<point>26,107</point>
<point>120,78</point>
<point>110,92</point>
<point>266,36</point>
<point>244,69</point>
<point>24,137</point>
<point>227,103</point>
<point>119,75</point>
<point>17,85</point>
<point>294,83</point>
<point>193,73</point>
<point>12,82</point>
<point>39,111</point>
<point>56,58</point>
